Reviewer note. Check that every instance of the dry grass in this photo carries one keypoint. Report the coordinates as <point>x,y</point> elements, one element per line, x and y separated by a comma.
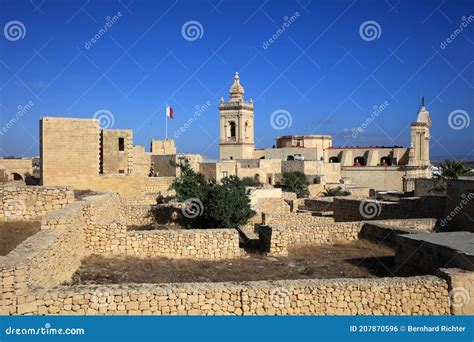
<point>14,233</point>
<point>346,260</point>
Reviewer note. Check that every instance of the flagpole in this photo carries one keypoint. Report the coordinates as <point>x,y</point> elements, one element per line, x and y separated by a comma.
<point>166,123</point>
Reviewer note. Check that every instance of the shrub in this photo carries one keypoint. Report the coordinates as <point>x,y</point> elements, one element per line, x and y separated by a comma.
<point>224,205</point>
<point>249,181</point>
<point>338,191</point>
<point>295,182</point>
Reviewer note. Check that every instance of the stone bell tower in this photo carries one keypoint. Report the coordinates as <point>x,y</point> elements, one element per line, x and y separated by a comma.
<point>419,164</point>
<point>236,125</point>
<point>420,137</point>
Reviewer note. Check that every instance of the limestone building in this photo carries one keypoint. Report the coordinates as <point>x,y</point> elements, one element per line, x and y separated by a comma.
<point>77,152</point>
<point>236,125</point>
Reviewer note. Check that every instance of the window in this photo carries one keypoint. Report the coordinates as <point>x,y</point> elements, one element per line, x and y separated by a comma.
<point>224,174</point>
<point>232,130</point>
<point>121,171</point>
<point>121,143</point>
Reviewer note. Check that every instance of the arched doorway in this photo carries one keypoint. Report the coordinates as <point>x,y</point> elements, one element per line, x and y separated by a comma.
<point>334,160</point>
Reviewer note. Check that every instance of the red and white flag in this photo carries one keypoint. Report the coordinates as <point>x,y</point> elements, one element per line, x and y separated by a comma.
<point>169,112</point>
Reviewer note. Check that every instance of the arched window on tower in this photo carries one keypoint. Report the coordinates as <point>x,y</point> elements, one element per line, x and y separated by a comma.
<point>232,130</point>
<point>246,129</point>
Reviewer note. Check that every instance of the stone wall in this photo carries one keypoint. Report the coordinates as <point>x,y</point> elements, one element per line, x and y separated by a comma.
<point>276,239</point>
<point>109,235</point>
<point>461,290</point>
<point>387,231</point>
<point>293,218</point>
<point>459,213</point>
<point>28,203</point>
<point>346,209</point>
<point>427,295</point>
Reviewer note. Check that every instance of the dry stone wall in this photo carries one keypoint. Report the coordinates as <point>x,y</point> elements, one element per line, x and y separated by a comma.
<point>414,207</point>
<point>293,218</point>
<point>276,239</point>
<point>29,203</point>
<point>427,295</point>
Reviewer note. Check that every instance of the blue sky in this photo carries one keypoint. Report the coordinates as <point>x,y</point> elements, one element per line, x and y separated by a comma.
<point>321,69</point>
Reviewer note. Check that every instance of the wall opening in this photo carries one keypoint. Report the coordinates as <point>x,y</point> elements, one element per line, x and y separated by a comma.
<point>386,161</point>
<point>359,161</point>
<point>17,176</point>
<point>121,144</point>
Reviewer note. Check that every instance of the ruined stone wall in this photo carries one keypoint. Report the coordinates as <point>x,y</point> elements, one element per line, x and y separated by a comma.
<point>110,235</point>
<point>427,295</point>
<point>461,290</point>
<point>459,212</point>
<point>28,203</point>
<point>293,218</point>
<point>276,239</point>
<point>346,209</point>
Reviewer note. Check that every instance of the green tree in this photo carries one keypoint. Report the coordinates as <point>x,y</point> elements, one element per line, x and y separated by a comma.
<point>224,205</point>
<point>454,169</point>
<point>190,184</point>
<point>296,182</point>
<point>227,204</point>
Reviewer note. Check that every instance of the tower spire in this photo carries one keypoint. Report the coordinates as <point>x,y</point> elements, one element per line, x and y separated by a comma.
<point>236,90</point>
